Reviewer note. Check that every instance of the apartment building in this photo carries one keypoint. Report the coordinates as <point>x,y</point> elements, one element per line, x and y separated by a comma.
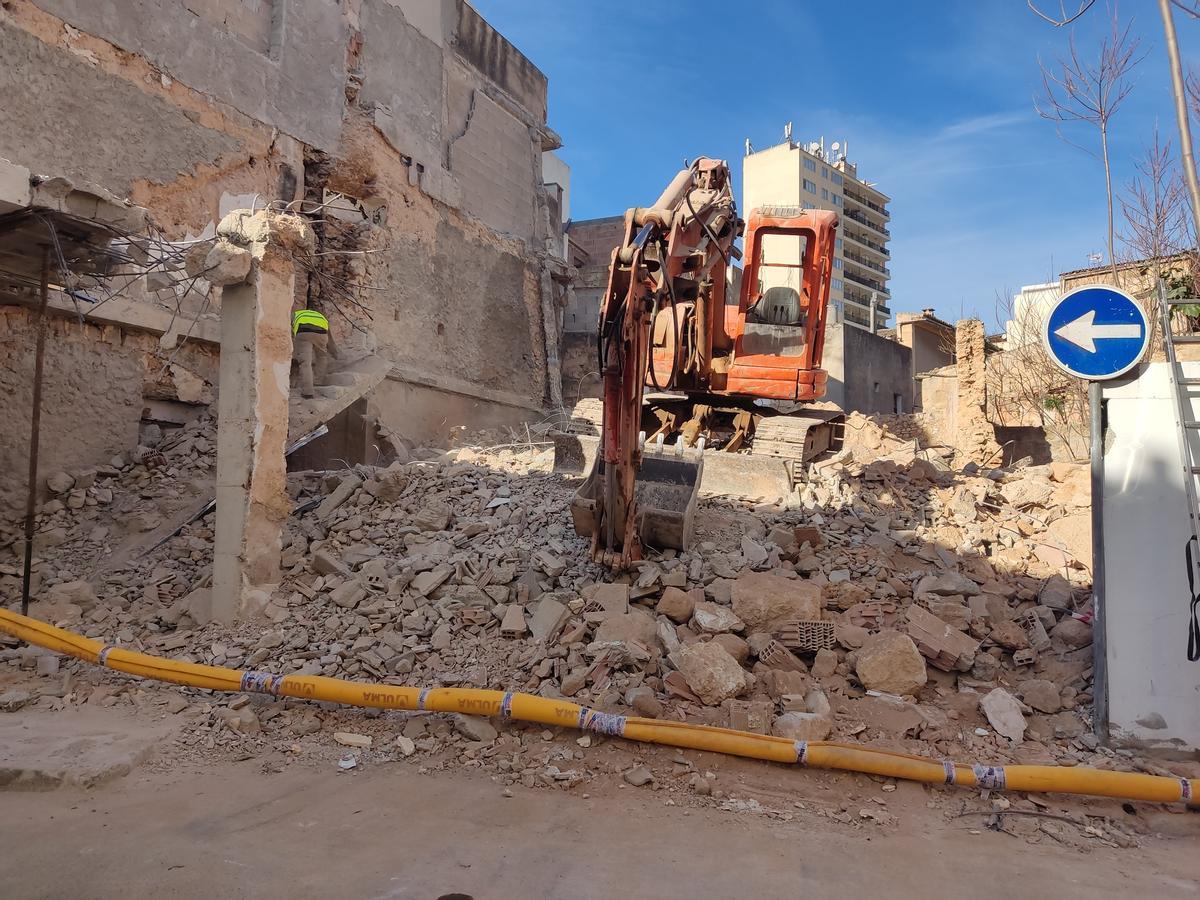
<point>814,176</point>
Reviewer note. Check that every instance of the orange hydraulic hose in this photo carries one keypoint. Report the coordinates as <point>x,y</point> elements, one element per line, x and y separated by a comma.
<point>545,711</point>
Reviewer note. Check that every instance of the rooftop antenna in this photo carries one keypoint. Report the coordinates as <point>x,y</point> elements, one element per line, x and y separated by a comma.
<point>1095,258</point>
<point>749,149</point>
<point>787,132</point>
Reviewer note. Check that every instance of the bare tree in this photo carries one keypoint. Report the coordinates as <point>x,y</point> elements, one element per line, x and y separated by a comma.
<point>1154,205</point>
<point>1025,388</point>
<point>1064,18</point>
<point>1076,90</point>
<point>1179,92</point>
<point>1158,228</point>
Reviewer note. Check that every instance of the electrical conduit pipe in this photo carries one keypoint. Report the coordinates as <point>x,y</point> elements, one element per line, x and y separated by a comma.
<point>545,711</point>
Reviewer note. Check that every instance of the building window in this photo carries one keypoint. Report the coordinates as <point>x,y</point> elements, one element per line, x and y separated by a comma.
<point>837,263</point>
<point>875,389</point>
<point>898,403</point>
<point>810,186</point>
<point>836,177</point>
<point>824,193</point>
<point>837,201</point>
<point>837,243</point>
<point>838,284</point>
<point>810,164</point>
<point>824,172</point>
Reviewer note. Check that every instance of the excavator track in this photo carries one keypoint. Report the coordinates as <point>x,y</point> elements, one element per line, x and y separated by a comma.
<point>769,463</point>
<point>799,437</point>
<point>586,418</point>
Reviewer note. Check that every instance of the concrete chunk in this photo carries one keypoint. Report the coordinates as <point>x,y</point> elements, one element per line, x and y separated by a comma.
<point>715,619</point>
<point>338,496</point>
<point>1004,714</point>
<point>547,619</point>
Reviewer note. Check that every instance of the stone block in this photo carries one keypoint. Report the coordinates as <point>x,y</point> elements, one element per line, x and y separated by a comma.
<point>761,599</point>
<point>710,672</point>
<point>890,662</point>
<point>754,716</point>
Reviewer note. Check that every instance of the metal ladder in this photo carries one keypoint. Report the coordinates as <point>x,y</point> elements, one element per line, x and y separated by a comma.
<point>1181,387</point>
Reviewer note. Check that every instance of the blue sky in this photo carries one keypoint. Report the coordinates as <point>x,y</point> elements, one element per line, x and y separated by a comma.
<point>934,99</point>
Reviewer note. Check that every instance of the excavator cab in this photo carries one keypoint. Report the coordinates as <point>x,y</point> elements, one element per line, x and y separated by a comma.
<point>780,318</point>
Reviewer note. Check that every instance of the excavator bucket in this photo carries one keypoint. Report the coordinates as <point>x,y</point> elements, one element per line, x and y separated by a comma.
<point>666,490</point>
<point>734,475</point>
<point>743,477</point>
<point>574,454</point>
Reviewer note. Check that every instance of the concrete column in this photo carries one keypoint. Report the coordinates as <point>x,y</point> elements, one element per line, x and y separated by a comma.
<point>252,405</point>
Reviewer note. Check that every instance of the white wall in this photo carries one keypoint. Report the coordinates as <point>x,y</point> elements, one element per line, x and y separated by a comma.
<point>557,172</point>
<point>1145,596</point>
<point>1029,310</point>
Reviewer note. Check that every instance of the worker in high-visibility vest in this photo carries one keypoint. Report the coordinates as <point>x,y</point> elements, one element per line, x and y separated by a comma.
<point>312,345</point>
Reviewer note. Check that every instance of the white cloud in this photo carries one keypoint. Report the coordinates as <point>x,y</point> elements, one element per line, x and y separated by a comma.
<point>981,124</point>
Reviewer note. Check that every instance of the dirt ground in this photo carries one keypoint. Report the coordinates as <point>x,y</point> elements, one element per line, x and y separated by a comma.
<point>266,827</point>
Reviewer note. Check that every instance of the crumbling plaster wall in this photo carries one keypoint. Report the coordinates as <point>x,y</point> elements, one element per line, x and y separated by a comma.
<point>95,381</point>
<point>452,298</point>
<point>56,104</point>
<point>295,85</point>
<point>93,110</point>
<point>192,107</point>
<point>448,137</point>
<point>975,435</point>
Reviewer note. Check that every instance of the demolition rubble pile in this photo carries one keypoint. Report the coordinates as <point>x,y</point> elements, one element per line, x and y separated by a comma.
<point>892,601</point>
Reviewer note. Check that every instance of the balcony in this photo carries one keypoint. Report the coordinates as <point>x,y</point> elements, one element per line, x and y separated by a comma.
<point>869,204</point>
<point>859,314</point>
<point>871,283</point>
<point>857,317</point>
<point>866,263</point>
<point>863,220</point>
<point>863,241</point>
<point>863,298</point>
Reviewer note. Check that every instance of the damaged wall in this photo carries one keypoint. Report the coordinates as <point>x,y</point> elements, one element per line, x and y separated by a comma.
<point>96,381</point>
<point>419,108</point>
<point>276,61</point>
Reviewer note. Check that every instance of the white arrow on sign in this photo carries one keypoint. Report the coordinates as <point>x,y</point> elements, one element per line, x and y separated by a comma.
<point>1083,332</point>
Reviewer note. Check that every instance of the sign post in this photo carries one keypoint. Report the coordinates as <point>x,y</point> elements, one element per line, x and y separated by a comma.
<point>1096,333</point>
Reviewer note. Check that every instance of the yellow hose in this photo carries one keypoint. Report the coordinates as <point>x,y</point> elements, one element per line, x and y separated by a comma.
<point>528,708</point>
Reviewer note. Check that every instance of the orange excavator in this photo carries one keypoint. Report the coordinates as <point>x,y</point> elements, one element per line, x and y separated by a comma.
<point>731,369</point>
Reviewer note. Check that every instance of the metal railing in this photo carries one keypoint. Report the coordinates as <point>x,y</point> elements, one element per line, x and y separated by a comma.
<point>863,201</point>
<point>863,261</point>
<point>864,300</point>
<point>866,242</point>
<point>866,282</point>
<point>863,220</point>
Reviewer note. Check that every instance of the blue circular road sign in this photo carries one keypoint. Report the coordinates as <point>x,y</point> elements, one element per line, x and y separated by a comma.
<point>1096,332</point>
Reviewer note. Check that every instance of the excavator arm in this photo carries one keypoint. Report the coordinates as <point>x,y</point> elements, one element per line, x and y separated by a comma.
<point>669,268</point>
